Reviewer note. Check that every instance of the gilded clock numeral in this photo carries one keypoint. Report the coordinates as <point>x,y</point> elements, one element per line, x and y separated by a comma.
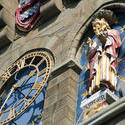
<point>12,112</point>
<point>6,76</point>
<point>36,86</point>
<point>3,78</point>
<point>21,63</point>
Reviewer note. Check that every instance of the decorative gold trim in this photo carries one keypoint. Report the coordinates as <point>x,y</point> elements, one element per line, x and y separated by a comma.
<point>17,66</point>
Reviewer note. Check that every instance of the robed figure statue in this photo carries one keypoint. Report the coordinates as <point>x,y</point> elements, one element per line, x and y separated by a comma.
<point>102,55</point>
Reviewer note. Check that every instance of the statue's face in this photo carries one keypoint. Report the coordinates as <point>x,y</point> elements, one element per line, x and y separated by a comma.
<point>100,28</point>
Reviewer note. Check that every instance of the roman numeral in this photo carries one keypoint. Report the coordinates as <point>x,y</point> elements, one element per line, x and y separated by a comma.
<point>32,60</point>
<point>21,64</point>
<point>5,76</point>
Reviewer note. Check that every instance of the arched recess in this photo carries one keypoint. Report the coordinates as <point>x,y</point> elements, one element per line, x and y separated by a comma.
<point>46,50</point>
<point>81,36</point>
<point>78,42</point>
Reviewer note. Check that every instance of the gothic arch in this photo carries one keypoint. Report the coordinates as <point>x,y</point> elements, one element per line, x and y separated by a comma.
<point>77,44</point>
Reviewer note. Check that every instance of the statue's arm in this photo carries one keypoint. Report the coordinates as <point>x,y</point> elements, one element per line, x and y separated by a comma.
<point>118,40</point>
<point>91,52</point>
<point>115,35</point>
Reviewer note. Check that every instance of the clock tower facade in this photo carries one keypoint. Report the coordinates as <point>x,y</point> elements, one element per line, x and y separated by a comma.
<point>42,60</point>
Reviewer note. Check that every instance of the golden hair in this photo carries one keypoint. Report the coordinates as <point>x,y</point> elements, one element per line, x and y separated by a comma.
<point>103,21</point>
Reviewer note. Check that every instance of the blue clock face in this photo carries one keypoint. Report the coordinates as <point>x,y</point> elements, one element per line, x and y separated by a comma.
<point>24,88</point>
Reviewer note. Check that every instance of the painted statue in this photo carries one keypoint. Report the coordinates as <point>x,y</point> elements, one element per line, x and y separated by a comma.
<point>27,14</point>
<point>102,55</point>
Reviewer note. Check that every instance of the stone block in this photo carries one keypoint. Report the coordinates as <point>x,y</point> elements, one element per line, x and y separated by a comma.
<point>60,101</point>
<point>47,121</point>
<point>59,78</point>
<point>8,18</point>
<point>65,112</point>
<point>65,121</point>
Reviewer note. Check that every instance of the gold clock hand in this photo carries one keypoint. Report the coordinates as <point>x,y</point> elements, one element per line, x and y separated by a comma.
<point>31,73</point>
<point>15,86</point>
<point>7,99</point>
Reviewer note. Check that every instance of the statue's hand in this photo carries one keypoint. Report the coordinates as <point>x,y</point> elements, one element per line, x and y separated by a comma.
<point>90,42</point>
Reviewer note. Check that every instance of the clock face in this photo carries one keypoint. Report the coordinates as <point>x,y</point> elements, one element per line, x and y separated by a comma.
<point>22,83</point>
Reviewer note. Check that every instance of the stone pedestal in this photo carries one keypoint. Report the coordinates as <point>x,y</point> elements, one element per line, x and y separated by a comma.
<point>97,102</point>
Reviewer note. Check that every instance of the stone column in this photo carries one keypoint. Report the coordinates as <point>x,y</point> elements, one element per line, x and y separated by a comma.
<point>60,101</point>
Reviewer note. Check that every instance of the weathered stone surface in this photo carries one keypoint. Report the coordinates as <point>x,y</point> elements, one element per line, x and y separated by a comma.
<point>60,99</point>
<point>61,32</point>
<point>60,36</point>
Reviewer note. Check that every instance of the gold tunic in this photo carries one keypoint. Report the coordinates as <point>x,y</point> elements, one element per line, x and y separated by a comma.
<point>104,74</point>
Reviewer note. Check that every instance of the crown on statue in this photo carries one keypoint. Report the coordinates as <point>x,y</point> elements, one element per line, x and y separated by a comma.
<point>102,24</point>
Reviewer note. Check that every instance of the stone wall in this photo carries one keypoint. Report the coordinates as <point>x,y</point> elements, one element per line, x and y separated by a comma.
<point>61,36</point>
<point>60,101</point>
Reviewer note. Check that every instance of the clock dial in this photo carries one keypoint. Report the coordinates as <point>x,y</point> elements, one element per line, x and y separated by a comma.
<point>22,83</point>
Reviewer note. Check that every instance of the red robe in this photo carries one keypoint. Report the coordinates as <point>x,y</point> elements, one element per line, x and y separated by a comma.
<point>112,44</point>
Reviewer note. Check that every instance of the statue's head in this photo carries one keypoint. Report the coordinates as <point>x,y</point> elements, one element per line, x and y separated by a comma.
<point>100,25</point>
